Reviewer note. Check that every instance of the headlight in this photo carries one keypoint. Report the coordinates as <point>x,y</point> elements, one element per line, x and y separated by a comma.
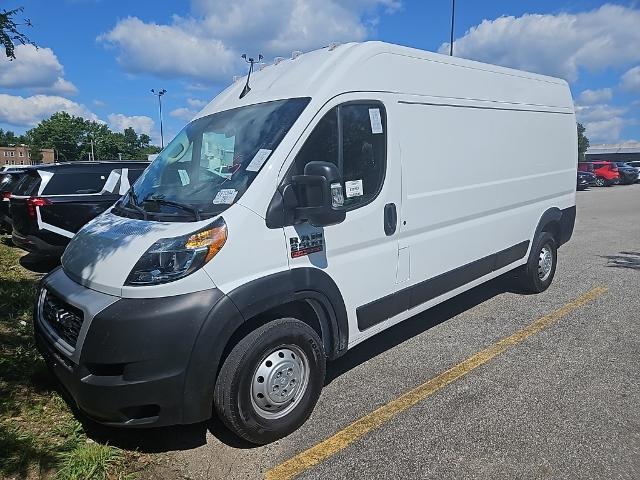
<point>172,258</point>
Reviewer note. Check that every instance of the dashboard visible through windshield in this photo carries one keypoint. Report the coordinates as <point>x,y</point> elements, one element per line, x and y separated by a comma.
<point>210,164</point>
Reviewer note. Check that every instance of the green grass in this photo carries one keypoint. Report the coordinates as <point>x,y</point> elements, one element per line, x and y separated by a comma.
<point>39,436</point>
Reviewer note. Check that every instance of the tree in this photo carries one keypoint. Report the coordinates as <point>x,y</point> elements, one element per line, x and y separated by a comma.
<point>9,34</point>
<point>583,142</point>
<point>75,138</point>
<point>10,138</point>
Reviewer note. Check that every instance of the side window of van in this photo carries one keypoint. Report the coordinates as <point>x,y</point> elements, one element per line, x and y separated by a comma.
<point>353,137</point>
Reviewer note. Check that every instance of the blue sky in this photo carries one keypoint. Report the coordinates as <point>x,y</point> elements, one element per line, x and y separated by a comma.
<point>99,59</point>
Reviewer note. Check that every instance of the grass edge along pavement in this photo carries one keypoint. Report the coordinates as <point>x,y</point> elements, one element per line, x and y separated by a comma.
<point>39,436</point>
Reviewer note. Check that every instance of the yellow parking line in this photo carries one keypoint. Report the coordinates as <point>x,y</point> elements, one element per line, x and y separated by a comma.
<point>341,440</point>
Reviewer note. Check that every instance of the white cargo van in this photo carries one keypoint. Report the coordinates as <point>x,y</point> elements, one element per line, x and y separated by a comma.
<point>351,188</point>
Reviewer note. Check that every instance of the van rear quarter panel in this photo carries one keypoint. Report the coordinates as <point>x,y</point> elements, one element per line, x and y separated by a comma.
<point>477,176</point>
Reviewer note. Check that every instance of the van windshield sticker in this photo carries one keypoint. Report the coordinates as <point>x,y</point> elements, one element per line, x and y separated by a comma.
<point>376,120</point>
<point>353,188</point>
<point>226,195</point>
<point>306,244</point>
<point>258,160</point>
<point>184,177</point>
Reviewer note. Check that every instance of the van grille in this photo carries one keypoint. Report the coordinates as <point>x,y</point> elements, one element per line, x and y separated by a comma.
<point>63,318</point>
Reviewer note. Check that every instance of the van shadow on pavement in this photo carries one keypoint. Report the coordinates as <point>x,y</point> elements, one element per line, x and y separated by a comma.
<point>185,437</point>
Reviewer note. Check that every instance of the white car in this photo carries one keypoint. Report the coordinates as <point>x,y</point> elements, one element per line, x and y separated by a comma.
<point>230,280</point>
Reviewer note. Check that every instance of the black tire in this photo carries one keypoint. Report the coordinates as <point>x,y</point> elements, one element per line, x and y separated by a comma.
<point>532,277</point>
<point>235,397</point>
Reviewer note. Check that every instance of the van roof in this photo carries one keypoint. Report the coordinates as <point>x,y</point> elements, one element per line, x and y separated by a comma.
<point>383,67</point>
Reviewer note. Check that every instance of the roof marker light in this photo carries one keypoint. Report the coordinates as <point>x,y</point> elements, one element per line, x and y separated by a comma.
<point>333,46</point>
<point>262,66</point>
<point>295,54</point>
<point>236,78</point>
<point>277,60</point>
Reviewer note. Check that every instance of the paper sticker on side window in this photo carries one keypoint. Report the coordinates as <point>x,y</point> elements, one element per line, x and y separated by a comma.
<point>353,188</point>
<point>376,120</point>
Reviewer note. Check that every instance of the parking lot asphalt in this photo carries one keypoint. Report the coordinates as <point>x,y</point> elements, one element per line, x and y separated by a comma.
<point>561,403</point>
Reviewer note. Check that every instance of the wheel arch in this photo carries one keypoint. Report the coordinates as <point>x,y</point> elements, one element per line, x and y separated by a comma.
<point>558,223</point>
<point>306,292</point>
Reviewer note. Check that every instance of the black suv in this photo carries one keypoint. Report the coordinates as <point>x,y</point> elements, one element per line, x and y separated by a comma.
<point>9,179</point>
<point>51,203</point>
<point>628,174</point>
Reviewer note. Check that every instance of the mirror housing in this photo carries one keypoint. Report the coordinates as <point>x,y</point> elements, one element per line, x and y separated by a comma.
<point>320,196</point>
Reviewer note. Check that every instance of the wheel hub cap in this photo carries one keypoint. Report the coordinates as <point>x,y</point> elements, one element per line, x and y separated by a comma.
<point>545,263</point>
<point>279,381</point>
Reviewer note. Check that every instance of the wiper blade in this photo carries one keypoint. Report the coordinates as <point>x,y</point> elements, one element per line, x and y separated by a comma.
<point>183,206</point>
<point>133,201</point>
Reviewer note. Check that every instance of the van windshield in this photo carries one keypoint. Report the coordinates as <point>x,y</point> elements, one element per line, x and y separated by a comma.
<point>210,164</point>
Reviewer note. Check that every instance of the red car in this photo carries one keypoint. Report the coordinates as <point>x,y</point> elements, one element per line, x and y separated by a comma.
<point>606,172</point>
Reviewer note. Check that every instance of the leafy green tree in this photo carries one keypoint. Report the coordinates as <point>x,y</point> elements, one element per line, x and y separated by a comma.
<point>583,142</point>
<point>10,138</point>
<point>9,33</point>
<point>72,138</point>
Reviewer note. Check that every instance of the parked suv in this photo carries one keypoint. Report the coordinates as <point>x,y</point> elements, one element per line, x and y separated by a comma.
<point>50,204</point>
<point>635,164</point>
<point>606,172</point>
<point>628,174</point>
<point>9,179</point>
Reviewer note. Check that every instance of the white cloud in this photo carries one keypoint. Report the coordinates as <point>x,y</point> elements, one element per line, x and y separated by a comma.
<point>206,46</point>
<point>183,113</point>
<point>604,131</point>
<point>587,113</point>
<point>196,102</point>
<point>559,45</point>
<point>28,111</point>
<point>631,80</point>
<point>591,97</point>
<point>140,123</point>
<point>603,123</point>
<point>37,69</point>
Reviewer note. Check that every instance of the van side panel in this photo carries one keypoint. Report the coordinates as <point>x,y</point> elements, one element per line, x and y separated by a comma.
<point>477,179</point>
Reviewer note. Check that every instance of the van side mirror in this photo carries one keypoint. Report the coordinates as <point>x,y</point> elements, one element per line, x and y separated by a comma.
<point>320,196</point>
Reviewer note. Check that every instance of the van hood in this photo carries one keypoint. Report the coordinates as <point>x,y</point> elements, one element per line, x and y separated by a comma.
<point>101,255</point>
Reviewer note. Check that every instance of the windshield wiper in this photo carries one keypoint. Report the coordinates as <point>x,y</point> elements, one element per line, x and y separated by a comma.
<point>133,201</point>
<point>187,208</point>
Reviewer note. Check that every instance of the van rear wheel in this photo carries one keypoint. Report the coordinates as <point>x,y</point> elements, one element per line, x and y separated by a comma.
<point>538,273</point>
<point>271,381</point>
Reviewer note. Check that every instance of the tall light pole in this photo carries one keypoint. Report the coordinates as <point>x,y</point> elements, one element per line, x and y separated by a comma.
<point>159,94</point>
<point>453,17</point>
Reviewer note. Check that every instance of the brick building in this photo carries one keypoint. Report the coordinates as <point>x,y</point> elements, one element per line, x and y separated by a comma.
<point>20,155</point>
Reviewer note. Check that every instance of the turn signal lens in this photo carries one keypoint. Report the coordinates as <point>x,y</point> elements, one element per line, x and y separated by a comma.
<point>212,239</point>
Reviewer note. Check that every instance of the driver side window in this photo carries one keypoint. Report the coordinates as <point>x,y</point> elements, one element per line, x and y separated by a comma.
<point>353,137</point>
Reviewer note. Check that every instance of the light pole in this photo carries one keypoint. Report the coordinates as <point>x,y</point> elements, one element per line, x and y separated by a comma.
<point>159,94</point>
<point>453,17</point>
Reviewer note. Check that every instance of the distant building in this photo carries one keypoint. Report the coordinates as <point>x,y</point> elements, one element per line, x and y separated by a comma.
<point>617,152</point>
<point>20,155</point>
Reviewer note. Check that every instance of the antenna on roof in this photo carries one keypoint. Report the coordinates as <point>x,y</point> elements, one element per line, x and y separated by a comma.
<point>250,61</point>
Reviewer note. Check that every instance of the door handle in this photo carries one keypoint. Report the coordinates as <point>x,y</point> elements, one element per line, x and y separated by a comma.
<point>390,219</point>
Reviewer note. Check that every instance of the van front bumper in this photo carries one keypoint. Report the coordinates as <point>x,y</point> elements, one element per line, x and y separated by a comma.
<point>136,362</point>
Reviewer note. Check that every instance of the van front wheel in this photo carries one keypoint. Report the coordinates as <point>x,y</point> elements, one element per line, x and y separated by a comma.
<point>538,273</point>
<point>271,381</point>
